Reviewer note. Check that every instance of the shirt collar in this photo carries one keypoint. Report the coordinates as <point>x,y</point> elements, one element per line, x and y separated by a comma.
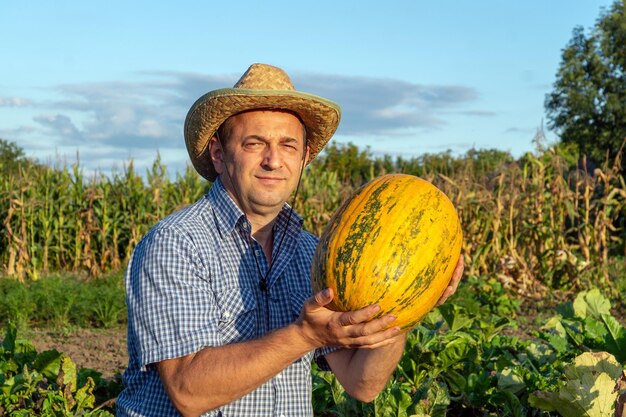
<point>228,214</point>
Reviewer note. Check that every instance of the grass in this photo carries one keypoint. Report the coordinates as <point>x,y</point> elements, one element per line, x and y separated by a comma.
<point>64,301</point>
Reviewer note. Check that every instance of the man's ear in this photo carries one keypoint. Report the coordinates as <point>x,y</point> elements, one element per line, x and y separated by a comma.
<point>217,154</point>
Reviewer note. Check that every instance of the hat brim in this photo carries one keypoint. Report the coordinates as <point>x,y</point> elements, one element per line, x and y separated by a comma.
<point>319,116</point>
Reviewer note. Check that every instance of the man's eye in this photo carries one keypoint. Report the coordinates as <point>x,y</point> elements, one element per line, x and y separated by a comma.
<point>253,145</point>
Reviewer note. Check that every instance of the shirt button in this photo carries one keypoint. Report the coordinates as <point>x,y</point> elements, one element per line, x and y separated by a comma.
<point>278,376</point>
<point>227,314</point>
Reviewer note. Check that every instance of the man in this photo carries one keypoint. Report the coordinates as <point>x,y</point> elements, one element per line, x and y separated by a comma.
<point>222,321</point>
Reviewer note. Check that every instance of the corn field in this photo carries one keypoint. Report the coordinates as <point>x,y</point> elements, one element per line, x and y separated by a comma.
<point>58,220</point>
<point>536,225</point>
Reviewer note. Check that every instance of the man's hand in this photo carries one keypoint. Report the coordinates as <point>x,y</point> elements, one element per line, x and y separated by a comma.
<point>454,282</point>
<point>353,329</point>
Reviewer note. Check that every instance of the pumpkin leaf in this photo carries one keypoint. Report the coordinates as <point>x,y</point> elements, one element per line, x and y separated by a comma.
<point>591,303</point>
<point>508,404</point>
<point>616,337</point>
<point>594,363</point>
<point>574,331</point>
<point>456,381</point>
<point>393,402</point>
<point>550,401</point>
<point>454,352</point>
<point>555,324</point>
<point>541,353</point>
<point>511,381</point>
<point>455,317</point>
<point>589,390</point>
<point>566,310</point>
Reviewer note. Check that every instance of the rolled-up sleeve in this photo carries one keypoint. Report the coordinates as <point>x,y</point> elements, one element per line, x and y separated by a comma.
<point>171,306</point>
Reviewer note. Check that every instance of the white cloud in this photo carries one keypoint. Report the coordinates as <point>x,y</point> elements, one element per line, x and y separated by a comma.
<point>151,128</point>
<point>14,102</point>
<point>133,119</point>
<point>58,124</point>
<point>378,106</point>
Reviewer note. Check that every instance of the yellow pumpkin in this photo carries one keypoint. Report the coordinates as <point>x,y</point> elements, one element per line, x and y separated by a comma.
<point>394,243</point>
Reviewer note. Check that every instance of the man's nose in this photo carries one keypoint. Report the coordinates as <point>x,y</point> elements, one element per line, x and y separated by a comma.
<point>272,159</point>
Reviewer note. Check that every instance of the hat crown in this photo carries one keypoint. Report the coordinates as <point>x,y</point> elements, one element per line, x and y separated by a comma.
<point>264,77</point>
<point>262,86</point>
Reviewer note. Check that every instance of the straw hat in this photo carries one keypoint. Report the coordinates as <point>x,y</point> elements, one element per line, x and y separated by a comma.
<point>261,87</point>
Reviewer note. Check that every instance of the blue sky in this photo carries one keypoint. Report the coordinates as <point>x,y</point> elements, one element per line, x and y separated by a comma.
<point>112,81</point>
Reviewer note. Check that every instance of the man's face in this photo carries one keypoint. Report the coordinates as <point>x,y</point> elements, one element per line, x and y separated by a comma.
<point>261,159</point>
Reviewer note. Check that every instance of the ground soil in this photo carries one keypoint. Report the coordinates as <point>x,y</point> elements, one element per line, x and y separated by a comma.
<point>103,350</point>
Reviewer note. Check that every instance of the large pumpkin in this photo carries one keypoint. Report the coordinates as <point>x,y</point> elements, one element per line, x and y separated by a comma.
<point>396,243</point>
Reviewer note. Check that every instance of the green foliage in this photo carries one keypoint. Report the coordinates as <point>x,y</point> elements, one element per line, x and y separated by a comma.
<point>55,219</point>
<point>11,157</point>
<point>320,194</point>
<point>586,322</point>
<point>63,302</point>
<point>588,103</point>
<point>463,359</point>
<point>44,384</point>
<point>467,356</point>
<point>475,163</point>
<point>590,389</point>
<point>351,164</point>
<point>354,167</point>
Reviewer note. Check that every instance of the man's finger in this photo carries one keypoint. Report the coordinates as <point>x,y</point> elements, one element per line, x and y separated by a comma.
<point>458,272</point>
<point>369,328</point>
<point>322,298</point>
<point>374,339</point>
<point>454,282</point>
<point>359,316</point>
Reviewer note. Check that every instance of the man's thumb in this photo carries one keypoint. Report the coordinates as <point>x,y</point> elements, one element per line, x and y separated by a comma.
<point>324,297</point>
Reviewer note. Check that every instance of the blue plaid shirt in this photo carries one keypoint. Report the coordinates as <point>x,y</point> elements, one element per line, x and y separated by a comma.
<point>193,282</point>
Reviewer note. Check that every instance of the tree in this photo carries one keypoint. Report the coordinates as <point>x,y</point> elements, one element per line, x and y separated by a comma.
<point>11,156</point>
<point>588,103</point>
<point>348,161</point>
